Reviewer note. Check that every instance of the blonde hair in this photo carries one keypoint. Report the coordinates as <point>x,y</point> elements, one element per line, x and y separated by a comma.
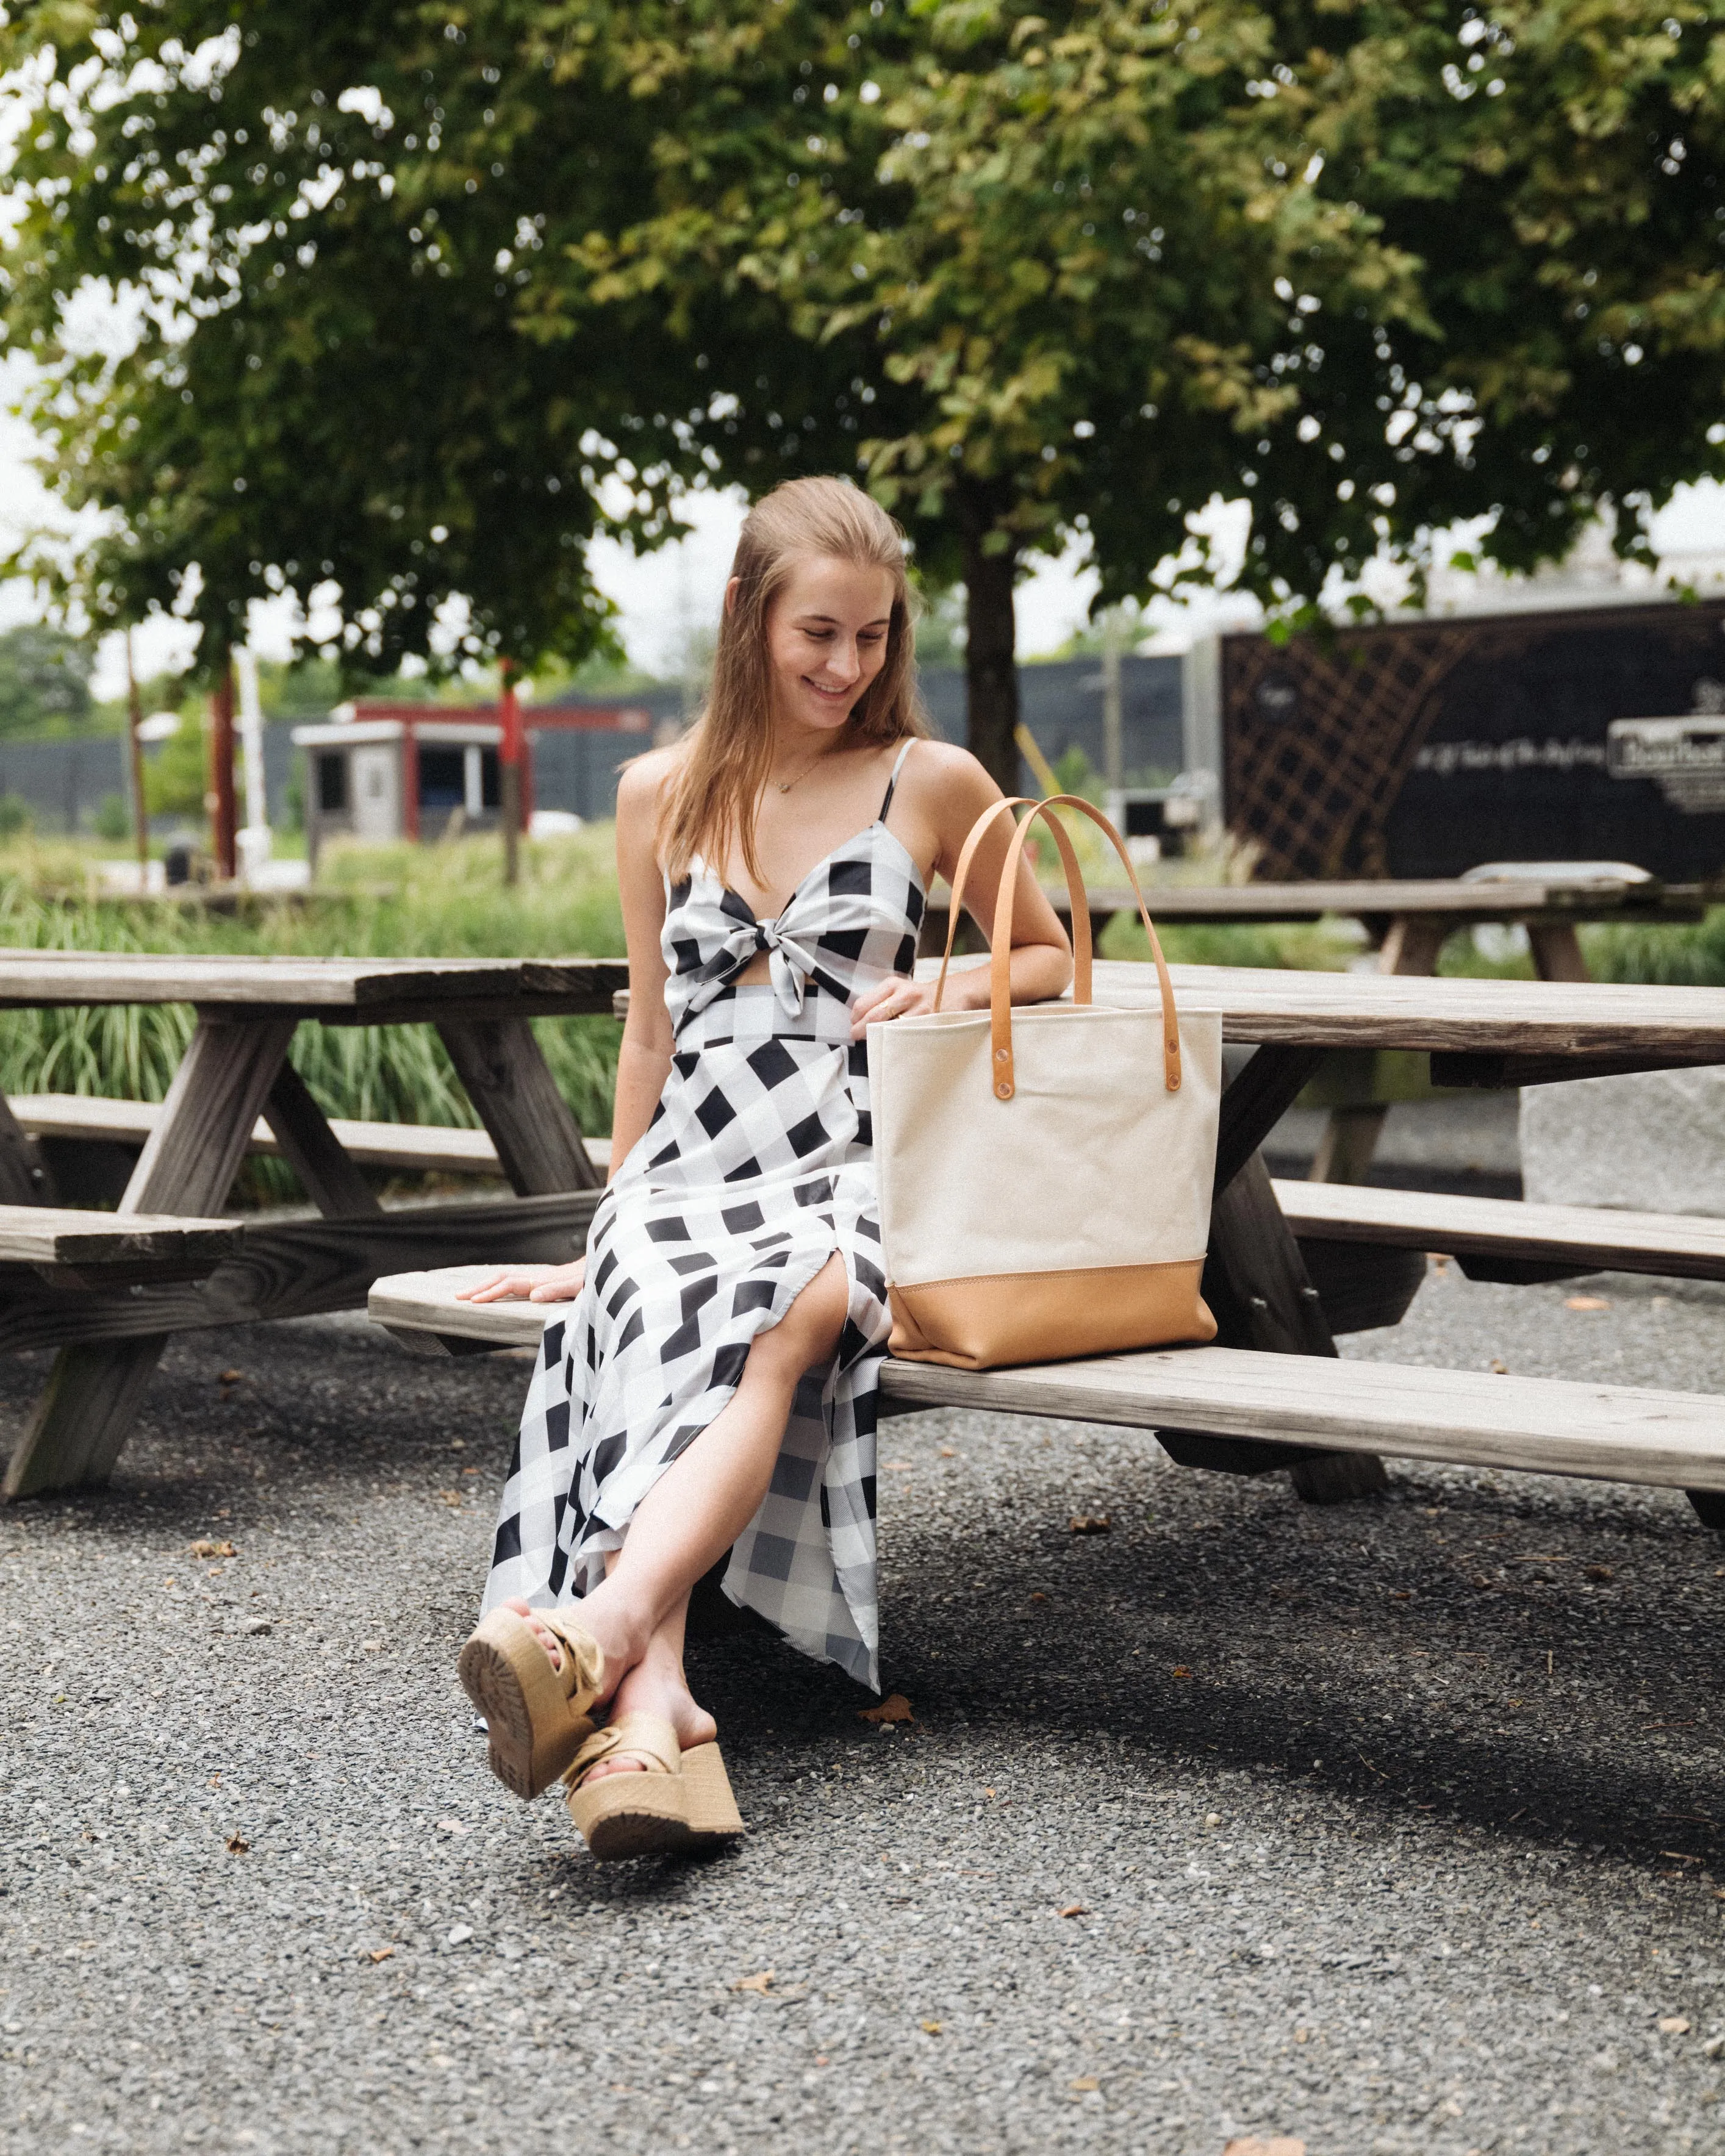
<point>709,804</point>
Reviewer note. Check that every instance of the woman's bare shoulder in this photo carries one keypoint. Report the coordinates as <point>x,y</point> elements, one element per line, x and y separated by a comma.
<point>642,781</point>
<point>941,769</point>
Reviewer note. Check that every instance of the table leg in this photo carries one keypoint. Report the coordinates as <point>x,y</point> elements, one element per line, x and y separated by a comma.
<point>312,1150</point>
<point>24,1179</point>
<point>1257,1285</point>
<point>86,1411</point>
<point>508,1081</point>
<point>1557,952</point>
<point>1350,1138</point>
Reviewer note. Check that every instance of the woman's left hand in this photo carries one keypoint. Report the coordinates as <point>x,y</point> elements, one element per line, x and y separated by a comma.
<point>895,997</point>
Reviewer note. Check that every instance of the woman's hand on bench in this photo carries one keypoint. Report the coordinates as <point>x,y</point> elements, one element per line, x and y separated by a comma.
<point>530,1283</point>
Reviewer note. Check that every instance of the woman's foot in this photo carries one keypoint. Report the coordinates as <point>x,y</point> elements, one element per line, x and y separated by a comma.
<point>622,1644</point>
<point>656,1685</point>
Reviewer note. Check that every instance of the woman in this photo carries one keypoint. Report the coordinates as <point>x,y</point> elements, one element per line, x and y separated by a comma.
<point>712,1389</point>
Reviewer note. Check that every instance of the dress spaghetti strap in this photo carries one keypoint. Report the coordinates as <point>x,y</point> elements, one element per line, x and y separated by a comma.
<point>892,781</point>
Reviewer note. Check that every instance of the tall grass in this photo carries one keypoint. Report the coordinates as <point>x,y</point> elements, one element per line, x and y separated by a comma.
<point>439,901</point>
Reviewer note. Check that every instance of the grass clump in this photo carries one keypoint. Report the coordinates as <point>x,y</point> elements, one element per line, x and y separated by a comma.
<point>435,901</point>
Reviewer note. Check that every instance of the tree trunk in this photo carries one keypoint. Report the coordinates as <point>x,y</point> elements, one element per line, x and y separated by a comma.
<point>991,670</point>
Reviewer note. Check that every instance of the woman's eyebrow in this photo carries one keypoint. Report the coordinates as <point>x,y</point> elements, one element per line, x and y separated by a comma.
<point>880,621</point>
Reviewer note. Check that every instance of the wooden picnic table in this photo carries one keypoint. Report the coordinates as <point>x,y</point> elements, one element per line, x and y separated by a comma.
<point>234,1070</point>
<point>1409,919</point>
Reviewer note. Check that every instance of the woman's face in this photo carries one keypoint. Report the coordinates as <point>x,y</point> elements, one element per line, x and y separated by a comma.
<point>826,640</point>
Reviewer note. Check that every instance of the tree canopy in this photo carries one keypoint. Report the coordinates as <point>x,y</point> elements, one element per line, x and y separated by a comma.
<point>44,680</point>
<point>429,293</point>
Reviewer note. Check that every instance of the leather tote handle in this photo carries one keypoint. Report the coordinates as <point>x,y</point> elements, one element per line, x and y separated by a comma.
<point>1000,959</point>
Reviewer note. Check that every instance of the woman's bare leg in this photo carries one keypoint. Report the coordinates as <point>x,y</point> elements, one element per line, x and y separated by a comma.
<point>703,1502</point>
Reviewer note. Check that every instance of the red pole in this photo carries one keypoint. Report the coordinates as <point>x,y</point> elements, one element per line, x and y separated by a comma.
<point>509,772</point>
<point>222,819</point>
<point>410,780</point>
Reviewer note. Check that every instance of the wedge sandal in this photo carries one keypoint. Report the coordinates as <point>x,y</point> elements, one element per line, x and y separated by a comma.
<point>682,1801</point>
<point>536,1716</point>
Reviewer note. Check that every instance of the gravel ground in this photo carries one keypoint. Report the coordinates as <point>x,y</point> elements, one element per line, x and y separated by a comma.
<point>1389,1827</point>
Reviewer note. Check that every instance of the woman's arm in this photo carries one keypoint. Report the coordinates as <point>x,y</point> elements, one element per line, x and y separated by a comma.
<point>945,789</point>
<point>644,1062</point>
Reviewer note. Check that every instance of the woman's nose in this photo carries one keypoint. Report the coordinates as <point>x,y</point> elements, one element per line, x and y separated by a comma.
<point>844,665</point>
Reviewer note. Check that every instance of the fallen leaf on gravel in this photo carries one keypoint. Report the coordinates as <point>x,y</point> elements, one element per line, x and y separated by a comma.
<point>1586,1303</point>
<point>212,1550</point>
<point>1181,1669</point>
<point>1278,2144</point>
<point>1596,1571</point>
<point>381,1953</point>
<point>1074,1909</point>
<point>949,1452</point>
<point>1673,2024</point>
<point>757,1983</point>
<point>237,1846</point>
<point>1090,1523</point>
<point>895,1707</point>
<point>1084,2085</point>
<point>231,1377</point>
<point>1035,1598</point>
<point>1500,1369</point>
<point>931,2028</point>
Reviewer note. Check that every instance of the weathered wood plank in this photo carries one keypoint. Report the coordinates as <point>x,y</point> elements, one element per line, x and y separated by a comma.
<point>1543,1426</point>
<point>1469,1418</point>
<point>1446,1016</point>
<point>1584,1238</point>
<point>1519,899</point>
<point>52,1235</point>
<point>24,1179</point>
<point>86,1410</point>
<point>436,1147</point>
<point>508,1081</point>
<point>329,1179</point>
<point>304,1268</point>
<point>428,1301</point>
<point>367,991</point>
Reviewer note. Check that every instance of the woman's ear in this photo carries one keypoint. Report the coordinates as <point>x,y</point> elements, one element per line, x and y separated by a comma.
<point>731,591</point>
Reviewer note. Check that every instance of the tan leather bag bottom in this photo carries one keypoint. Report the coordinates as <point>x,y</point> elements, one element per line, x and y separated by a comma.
<point>987,1323</point>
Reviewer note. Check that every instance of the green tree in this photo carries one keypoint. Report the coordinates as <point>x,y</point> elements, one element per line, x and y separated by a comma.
<point>1087,269</point>
<point>44,680</point>
<point>319,216</point>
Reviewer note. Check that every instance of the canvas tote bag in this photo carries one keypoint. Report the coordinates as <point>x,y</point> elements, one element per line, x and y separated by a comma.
<point>1045,1173</point>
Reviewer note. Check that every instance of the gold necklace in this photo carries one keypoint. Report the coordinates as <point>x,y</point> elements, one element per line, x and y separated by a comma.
<point>785,785</point>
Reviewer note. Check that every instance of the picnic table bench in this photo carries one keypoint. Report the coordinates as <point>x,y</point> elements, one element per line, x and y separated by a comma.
<point>234,1070</point>
<point>90,1140</point>
<point>1237,1407</point>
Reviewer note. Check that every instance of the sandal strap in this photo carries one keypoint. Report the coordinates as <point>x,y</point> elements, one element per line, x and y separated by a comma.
<point>582,1673</point>
<point>645,1737</point>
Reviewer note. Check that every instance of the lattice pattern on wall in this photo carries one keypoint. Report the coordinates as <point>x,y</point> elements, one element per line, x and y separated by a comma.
<point>1319,735</point>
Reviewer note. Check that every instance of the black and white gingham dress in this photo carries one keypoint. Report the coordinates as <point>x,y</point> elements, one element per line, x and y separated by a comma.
<point>756,1168</point>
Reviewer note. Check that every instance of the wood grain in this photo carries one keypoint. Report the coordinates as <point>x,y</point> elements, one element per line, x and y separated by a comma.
<point>358,991</point>
<point>24,1179</point>
<point>1576,1237</point>
<point>329,1179</point>
<point>302,1268</point>
<point>1469,1418</point>
<point>426,1301</point>
<point>49,1235</point>
<point>1655,1026</point>
<point>509,1083</point>
<point>1549,1425</point>
<point>436,1147</point>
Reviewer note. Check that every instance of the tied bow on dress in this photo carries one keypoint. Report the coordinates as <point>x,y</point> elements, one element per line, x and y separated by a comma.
<point>792,964</point>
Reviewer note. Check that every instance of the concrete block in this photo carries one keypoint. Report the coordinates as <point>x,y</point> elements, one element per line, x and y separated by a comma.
<point>1654,1142</point>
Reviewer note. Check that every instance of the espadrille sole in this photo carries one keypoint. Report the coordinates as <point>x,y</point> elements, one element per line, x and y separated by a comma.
<point>635,1815</point>
<point>534,1728</point>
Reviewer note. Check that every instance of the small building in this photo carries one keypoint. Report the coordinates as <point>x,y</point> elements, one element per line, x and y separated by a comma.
<point>381,771</point>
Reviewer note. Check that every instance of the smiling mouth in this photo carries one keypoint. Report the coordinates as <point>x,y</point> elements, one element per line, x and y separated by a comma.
<point>832,695</point>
